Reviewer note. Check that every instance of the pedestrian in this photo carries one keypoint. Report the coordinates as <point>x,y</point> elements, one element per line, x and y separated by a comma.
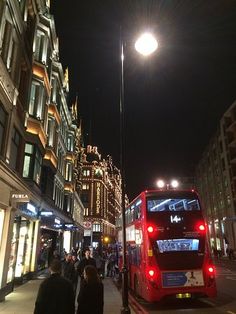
<point>86,260</point>
<point>68,270</point>
<point>75,263</point>
<point>55,295</point>
<point>91,295</point>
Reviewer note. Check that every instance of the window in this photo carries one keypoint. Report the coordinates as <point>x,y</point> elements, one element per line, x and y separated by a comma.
<point>67,203</point>
<point>96,227</point>
<point>10,49</point>
<point>85,186</point>
<point>68,175</point>
<point>15,149</point>
<point>51,132</point>
<point>3,122</point>
<point>70,143</point>
<point>86,173</point>
<point>40,49</point>
<point>37,99</point>
<point>32,163</point>
<point>58,193</point>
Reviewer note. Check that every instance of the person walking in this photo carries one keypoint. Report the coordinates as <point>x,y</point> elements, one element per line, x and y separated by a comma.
<point>86,260</point>
<point>91,295</point>
<point>55,295</point>
<point>68,270</point>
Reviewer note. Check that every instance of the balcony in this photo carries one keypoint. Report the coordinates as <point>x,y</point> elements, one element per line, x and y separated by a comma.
<point>69,186</point>
<point>50,158</point>
<point>39,70</point>
<point>52,110</point>
<point>35,127</point>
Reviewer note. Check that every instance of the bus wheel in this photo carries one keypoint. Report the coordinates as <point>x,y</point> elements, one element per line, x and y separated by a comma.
<point>136,287</point>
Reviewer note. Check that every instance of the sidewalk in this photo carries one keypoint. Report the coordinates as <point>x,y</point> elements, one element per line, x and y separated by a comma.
<point>21,300</point>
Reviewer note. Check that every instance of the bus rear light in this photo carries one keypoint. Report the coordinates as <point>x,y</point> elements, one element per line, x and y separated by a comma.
<point>201,227</point>
<point>151,273</point>
<point>150,229</point>
<point>211,270</point>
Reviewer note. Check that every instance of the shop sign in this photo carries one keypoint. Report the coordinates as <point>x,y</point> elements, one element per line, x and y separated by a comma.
<point>20,197</point>
<point>57,221</point>
<point>87,233</point>
<point>68,225</point>
<point>29,209</point>
<point>87,224</point>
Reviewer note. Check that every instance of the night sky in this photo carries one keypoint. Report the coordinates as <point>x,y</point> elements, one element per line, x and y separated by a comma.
<point>173,99</point>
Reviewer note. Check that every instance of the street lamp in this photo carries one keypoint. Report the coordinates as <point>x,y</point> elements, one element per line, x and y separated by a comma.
<point>146,45</point>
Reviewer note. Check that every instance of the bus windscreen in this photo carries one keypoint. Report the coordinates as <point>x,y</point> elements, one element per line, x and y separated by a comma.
<point>170,204</point>
<point>177,245</point>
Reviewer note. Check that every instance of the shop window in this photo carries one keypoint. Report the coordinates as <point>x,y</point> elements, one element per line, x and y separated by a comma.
<point>15,149</point>
<point>32,163</point>
<point>37,100</point>
<point>3,124</point>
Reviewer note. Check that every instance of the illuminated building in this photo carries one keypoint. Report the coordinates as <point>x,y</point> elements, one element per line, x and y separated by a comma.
<point>40,208</point>
<point>101,197</point>
<point>216,182</point>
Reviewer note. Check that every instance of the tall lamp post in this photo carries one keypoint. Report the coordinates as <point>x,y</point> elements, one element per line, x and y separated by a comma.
<point>145,45</point>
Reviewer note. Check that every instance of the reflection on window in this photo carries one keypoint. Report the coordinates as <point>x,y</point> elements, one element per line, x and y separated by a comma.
<point>15,149</point>
<point>178,204</point>
<point>3,122</point>
<point>37,97</point>
<point>178,245</point>
<point>32,163</point>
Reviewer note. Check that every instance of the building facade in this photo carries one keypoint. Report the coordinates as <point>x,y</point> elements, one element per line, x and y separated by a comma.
<point>40,208</point>
<point>216,182</point>
<point>101,197</point>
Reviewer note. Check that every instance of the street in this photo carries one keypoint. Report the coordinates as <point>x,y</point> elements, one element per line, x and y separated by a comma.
<point>225,302</point>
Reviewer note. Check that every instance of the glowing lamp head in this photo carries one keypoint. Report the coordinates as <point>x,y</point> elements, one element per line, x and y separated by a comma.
<point>160,184</point>
<point>146,44</point>
<point>174,184</point>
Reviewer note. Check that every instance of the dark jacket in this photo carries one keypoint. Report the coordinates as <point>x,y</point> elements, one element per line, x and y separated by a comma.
<point>68,271</point>
<point>84,262</point>
<point>55,296</point>
<point>90,298</point>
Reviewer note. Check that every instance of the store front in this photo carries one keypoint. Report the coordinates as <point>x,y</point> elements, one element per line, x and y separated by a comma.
<point>23,247</point>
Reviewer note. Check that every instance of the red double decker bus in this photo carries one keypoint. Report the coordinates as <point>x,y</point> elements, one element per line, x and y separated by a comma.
<point>167,247</point>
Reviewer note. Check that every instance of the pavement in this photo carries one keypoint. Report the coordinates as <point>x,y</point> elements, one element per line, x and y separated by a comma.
<point>22,299</point>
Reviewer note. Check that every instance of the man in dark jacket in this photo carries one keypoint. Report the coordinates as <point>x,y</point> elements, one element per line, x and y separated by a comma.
<point>87,260</point>
<point>55,295</point>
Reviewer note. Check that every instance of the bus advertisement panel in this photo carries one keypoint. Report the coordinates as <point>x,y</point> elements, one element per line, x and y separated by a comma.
<point>168,253</point>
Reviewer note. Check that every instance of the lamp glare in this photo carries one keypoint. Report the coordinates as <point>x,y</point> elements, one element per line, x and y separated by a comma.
<point>146,44</point>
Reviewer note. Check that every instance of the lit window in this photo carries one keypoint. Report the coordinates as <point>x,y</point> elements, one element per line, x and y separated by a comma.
<point>86,173</point>
<point>37,98</point>
<point>40,46</point>
<point>85,186</point>
<point>32,163</point>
